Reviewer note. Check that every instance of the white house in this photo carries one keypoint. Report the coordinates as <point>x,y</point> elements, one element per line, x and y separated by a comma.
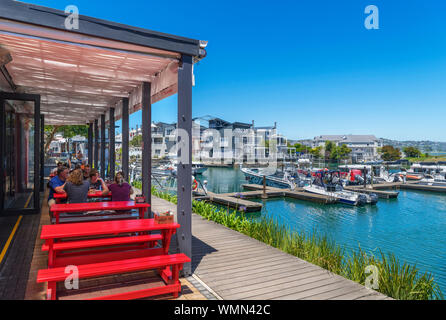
<point>364,147</point>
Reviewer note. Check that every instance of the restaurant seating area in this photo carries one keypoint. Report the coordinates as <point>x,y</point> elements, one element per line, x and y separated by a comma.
<point>110,247</point>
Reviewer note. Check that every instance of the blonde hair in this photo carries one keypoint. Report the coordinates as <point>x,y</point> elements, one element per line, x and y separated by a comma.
<point>76,177</point>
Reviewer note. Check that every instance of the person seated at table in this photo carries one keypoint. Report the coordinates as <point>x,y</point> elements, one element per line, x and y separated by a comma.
<point>54,171</point>
<point>76,187</point>
<point>86,171</point>
<point>97,183</point>
<point>120,190</point>
<point>57,183</point>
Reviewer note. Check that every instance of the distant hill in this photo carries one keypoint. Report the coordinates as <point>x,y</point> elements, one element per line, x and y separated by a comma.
<point>424,146</point>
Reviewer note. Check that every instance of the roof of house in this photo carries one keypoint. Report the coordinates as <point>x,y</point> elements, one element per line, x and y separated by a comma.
<point>347,138</point>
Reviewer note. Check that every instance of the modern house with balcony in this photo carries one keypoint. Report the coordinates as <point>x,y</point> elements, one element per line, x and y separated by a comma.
<point>238,142</point>
<point>364,147</point>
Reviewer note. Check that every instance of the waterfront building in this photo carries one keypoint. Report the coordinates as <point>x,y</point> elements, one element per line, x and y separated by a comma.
<point>364,147</point>
<point>238,142</point>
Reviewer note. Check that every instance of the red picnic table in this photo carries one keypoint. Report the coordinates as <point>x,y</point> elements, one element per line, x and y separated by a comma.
<point>63,196</point>
<point>59,208</point>
<point>116,257</point>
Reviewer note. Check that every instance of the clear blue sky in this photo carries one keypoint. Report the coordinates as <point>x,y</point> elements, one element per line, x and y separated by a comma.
<point>311,66</point>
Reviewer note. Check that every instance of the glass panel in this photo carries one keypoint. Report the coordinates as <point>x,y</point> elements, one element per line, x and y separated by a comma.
<point>19,155</point>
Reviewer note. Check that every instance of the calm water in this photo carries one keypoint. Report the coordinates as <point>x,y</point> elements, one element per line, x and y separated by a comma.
<point>413,227</point>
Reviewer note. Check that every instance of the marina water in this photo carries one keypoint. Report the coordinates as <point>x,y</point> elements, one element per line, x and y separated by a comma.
<point>413,226</point>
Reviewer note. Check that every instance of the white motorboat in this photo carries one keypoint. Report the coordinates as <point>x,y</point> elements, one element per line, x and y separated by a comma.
<point>278,179</point>
<point>337,192</point>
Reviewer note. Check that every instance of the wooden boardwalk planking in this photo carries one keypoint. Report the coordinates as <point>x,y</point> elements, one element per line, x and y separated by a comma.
<point>237,267</point>
<point>233,202</point>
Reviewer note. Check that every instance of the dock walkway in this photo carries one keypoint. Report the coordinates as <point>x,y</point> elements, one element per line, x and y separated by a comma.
<point>237,267</point>
<point>297,193</point>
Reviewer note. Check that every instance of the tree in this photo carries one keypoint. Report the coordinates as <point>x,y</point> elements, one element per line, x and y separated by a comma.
<point>412,152</point>
<point>340,152</point>
<point>136,141</point>
<point>67,132</point>
<point>316,152</point>
<point>329,148</point>
<point>300,148</point>
<point>389,153</point>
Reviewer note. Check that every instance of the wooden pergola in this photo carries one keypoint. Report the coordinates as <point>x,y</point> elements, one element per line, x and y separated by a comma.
<point>96,75</point>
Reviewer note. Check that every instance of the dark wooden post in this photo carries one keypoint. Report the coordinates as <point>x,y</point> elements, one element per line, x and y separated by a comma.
<point>147,142</point>
<point>125,138</point>
<point>90,144</point>
<point>102,146</point>
<point>184,170</point>
<point>111,144</point>
<point>96,144</point>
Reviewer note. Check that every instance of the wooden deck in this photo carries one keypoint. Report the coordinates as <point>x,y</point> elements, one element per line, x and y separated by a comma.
<point>237,267</point>
<point>233,202</point>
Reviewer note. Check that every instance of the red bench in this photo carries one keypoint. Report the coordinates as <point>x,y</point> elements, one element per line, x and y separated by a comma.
<point>57,209</point>
<point>173,285</point>
<point>117,244</point>
<point>78,235</point>
<point>111,259</point>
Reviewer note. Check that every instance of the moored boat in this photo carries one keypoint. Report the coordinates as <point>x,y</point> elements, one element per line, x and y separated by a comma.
<point>277,180</point>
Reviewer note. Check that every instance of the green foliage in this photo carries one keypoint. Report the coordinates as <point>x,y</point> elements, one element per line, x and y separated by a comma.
<point>340,152</point>
<point>136,141</point>
<point>69,131</point>
<point>316,152</point>
<point>389,153</point>
<point>412,152</point>
<point>395,279</point>
<point>329,148</point>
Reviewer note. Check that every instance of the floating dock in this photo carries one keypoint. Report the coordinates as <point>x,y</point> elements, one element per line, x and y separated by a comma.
<point>409,185</point>
<point>422,187</point>
<point>297,193</point>
<point>380,193</point>
<point>238,200</point>
<point>233,202</point>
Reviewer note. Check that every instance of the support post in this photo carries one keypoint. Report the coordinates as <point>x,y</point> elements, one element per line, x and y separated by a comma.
<point>2,153</point>
<point>125,138</point>
<point>147,142</point>
<point>96,144</point>
<point>184,170</point>
<point>111,144</point>
<point>102,166</point>
<point>42,152</point>
<point>90,144</point>
<point>37,147</point>
<point>264,195</point>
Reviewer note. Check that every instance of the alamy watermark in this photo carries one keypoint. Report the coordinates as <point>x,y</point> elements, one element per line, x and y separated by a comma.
<point>72,280</point>
<point>72,21</point>
<point>372,20</point>
<point>372,281</point>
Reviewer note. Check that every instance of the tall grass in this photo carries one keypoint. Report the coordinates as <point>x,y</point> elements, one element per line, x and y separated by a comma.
<point>395,279</point>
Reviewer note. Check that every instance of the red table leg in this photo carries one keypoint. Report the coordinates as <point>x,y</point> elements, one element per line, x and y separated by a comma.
<point>51,253</point>
<point>141,213</point>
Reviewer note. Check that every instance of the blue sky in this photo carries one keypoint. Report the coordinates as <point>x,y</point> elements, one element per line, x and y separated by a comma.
<point>311,66</point>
